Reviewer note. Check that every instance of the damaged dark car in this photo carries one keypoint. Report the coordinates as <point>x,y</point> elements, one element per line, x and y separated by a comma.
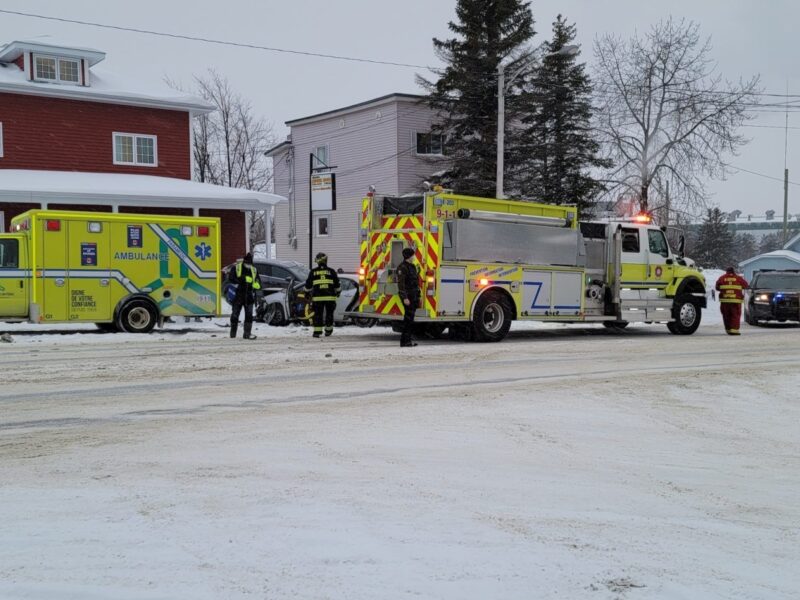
<point>774,296</point>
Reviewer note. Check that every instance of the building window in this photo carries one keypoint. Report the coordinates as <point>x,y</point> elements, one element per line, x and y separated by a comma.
<point>321,157</point>
<point>323,226</point>
<point>57,69</point>
<point>429,144</point>
<point>134,149</point>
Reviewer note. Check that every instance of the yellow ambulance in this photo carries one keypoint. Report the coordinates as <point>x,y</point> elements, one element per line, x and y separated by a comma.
<point>124,272</point>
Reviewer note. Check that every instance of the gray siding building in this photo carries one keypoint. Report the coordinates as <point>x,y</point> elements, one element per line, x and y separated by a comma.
<point>384,142</point>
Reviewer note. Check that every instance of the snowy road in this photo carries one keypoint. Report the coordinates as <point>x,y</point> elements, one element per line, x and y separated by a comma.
<point>561,463</point>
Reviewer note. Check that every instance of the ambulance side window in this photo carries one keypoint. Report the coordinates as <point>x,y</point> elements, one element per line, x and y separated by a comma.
<point>9,254</point>
<point>630,240</point>
<point>658,243</point>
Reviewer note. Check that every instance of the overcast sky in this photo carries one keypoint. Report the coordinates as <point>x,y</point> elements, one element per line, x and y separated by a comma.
<point>749,37</point>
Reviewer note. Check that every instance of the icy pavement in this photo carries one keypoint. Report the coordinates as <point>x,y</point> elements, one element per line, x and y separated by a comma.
<point>561,463</point>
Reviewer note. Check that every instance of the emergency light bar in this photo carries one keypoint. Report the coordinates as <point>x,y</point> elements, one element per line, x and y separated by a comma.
<point>496,217</point>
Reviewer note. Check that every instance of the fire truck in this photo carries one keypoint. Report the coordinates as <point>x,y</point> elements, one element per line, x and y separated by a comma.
<point>485,262</point>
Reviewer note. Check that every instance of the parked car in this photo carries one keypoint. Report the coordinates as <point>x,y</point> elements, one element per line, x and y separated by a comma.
<point>275,274</point>
<point>773,296</point>
<point>290,305</point>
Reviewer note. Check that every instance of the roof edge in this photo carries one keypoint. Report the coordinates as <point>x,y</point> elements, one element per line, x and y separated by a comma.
<point>359,106</point>
<point>15,49</point>
<point>68,93</point>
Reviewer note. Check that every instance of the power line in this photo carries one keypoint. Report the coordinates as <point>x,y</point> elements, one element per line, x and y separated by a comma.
<point>760,174</point>
<point>218,42</point>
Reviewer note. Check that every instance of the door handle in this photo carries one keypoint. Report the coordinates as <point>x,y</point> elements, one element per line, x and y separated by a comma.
<point>21,283</point>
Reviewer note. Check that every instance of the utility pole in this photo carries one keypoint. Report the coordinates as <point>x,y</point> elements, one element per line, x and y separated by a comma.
<point>786,172</point>
<point>570,50</point>
<point>501,128</point>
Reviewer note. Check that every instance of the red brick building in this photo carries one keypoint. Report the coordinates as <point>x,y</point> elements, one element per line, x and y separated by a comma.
<point>59,113</point>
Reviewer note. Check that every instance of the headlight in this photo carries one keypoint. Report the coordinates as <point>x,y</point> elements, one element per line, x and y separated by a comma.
<point>761,299</point>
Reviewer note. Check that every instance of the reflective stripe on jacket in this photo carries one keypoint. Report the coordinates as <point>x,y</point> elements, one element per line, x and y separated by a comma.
<point>323,283</point>
<point>250,279</point>
<point>731,288</point>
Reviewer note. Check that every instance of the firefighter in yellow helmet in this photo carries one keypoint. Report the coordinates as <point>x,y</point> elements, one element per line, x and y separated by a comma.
<point>323,285</point>
<point>245,277</point>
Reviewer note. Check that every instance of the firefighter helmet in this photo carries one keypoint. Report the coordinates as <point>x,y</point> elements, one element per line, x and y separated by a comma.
<point>321,258</point>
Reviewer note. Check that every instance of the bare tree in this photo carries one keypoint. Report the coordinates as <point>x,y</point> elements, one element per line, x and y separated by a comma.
<point>229,143</point>
<point>666,118</point>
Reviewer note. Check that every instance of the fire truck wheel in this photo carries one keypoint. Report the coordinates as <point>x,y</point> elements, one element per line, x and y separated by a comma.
<point>686,312</point>
<point>492,317</point>
<point>137,316</point>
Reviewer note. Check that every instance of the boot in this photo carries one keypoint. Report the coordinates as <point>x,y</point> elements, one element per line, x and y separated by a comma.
<point>248,327</point>
<point>328,332</point>
<point>234,328</point>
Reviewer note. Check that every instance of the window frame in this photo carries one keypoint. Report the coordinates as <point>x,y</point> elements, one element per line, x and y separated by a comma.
<point>57,59</point>
<point>632,231</point>
<point>416,137</point>
<point>328,217</point>
<point>1,139</point>
<point>316,163</point>
<point>12,242</point>
<point>662,236</point>
<point>136,137</point>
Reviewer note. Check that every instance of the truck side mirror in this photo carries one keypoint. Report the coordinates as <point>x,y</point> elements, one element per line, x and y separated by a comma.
<point>681,246</point>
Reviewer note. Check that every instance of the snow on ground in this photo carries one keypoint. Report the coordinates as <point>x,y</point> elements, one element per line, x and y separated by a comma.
<point>565,462</point>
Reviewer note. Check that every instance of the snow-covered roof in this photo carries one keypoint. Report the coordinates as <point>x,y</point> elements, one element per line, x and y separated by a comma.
<point>105,87</point>
<point>787,254</point>
<point>71,187</point>
<point>792,242</point>
<point>13,50</point>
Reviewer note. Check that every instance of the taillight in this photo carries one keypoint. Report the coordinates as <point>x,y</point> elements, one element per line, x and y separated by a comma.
<point>52,225</point>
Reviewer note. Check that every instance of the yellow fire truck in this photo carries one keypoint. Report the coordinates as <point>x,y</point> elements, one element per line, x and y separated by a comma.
<point>121,271</point>
<point>485,262</point>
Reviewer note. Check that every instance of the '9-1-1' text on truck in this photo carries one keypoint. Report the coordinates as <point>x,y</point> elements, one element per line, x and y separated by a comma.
<point>485,262</point>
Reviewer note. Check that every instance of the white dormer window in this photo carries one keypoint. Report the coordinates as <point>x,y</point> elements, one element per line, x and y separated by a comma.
<point>57,69</point>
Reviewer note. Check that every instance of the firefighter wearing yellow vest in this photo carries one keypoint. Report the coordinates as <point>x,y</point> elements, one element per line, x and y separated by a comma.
<point>323,285</point>
<point>245,277</point>
<point>731,289</point>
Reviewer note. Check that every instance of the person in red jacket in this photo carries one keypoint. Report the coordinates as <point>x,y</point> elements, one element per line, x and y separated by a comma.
<point>731,289</point>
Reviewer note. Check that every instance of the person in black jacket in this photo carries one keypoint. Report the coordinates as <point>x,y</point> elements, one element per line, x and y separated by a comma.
<point>323,285</point>
<point>245,277</point>
<point>408,287</point>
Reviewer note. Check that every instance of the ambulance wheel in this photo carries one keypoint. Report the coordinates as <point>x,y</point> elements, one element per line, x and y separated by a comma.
<point>137,316</point>
<point>492,317</point>
<point>687,314</point>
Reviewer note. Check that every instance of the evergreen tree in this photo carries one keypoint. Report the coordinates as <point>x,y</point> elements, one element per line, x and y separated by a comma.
<point>745,246</point>
<point>770,243</point>
<point>715,242</point>
<point>487,33</point>
<point>556,132</point>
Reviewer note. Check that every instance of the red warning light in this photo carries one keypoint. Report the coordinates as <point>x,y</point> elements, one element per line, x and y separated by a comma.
<point>202,231</point>
<point>52,225</point>
<point>642,218</point>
